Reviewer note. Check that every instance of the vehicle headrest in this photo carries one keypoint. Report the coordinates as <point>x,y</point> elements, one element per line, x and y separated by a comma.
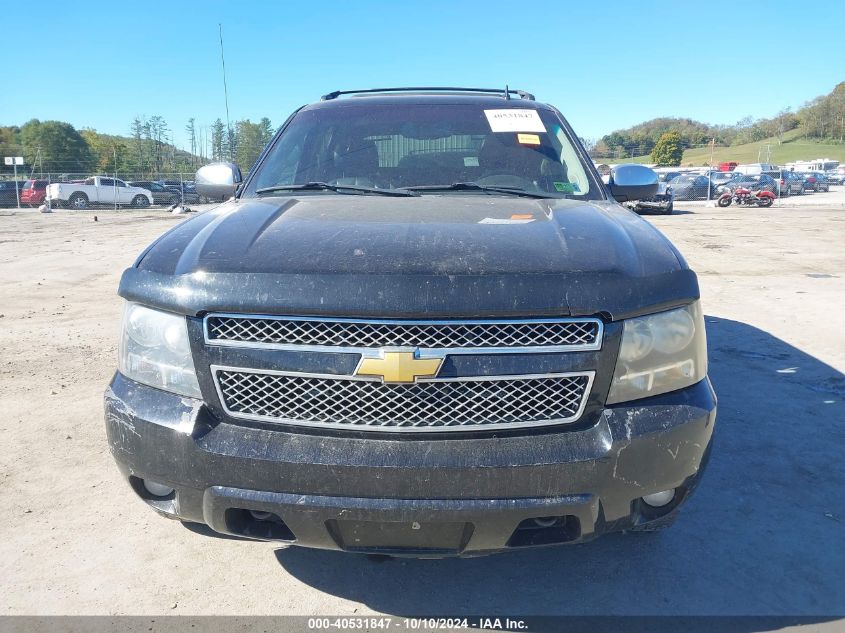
<point>356,158</point>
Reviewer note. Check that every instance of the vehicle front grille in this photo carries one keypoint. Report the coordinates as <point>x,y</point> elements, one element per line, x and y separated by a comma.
<point>428,405</point>
<point>454,336</point>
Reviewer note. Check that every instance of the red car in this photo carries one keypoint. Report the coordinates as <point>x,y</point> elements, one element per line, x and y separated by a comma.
<point>33,192</point>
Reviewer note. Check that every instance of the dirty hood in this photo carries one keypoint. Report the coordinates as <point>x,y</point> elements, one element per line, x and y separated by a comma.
<point>455,255</point>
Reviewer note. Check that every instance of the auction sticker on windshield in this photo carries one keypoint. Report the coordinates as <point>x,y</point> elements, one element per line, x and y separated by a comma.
<point>514,120</point>
<point>528,139</point>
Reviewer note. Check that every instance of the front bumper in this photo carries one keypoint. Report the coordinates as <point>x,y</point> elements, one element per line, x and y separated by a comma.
<point>411,496</point>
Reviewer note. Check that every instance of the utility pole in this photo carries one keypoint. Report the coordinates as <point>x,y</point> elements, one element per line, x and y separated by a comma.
<point>225,91</point>
<point>35,160</point>
<point>710,171</point>
<point>114,151</point>
<point>17,191</point>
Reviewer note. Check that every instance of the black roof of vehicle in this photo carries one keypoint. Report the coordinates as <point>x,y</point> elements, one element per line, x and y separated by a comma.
<point>430,90</point>
<point>485,99</point>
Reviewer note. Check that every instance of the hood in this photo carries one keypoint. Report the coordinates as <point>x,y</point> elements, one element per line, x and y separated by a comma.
<point>455,255</point>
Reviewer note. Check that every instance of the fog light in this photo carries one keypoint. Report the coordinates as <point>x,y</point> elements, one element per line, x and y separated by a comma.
<point>659,499</point>
<point>156,489</point>
<point>260,516</point>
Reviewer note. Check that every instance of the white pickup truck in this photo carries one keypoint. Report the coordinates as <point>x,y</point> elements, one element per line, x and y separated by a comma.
<point>97,190</point>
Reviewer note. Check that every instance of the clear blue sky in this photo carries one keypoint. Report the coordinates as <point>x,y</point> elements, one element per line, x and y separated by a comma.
<point>605,65</point>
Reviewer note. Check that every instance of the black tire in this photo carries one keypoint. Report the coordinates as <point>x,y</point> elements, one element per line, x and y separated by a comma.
<point>140,202</point>
<point>724,201</point>
<point>78,201</point>
<point>668,210</point>
<point>765,202</point>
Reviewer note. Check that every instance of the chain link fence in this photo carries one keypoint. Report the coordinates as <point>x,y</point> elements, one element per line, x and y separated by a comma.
<point>164,189</point>
<point>721,186</point>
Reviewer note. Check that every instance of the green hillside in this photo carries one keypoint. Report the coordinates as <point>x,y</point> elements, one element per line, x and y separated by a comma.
<point>794,147</point>
<point>816,130</point>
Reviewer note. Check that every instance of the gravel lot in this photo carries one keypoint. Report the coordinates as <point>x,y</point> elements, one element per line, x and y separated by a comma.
<point>765,533</point>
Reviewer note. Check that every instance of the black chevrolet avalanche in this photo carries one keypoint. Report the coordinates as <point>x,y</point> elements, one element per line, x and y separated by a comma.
<point>421,326</point>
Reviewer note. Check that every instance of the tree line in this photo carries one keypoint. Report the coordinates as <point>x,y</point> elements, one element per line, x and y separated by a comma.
<point>822,119</point>
<point>58,147</point>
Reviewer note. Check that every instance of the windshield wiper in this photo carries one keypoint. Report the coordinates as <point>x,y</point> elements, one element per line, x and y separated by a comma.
<point>474,186</point>
<point>324,186</point>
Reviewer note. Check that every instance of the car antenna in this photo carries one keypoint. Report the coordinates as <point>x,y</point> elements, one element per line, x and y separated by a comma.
<point>507,93</point>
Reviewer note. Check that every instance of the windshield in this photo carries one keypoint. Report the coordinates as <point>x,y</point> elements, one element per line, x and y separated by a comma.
<point>394,146</point>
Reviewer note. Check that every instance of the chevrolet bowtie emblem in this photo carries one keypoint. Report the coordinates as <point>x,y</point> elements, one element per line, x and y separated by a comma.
<point>400,367</point>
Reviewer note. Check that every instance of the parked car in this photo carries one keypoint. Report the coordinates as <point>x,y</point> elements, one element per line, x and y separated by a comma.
<point>754,182</point>
<point>381,345</point>
<point>668,176</point>
<point>98,190</point>
<point>820,181</point>
<point>170,182</point>
<point>722,177</point>
<point>809,181</point>
<point>34,192</point>
<point>791,183</point>
<point>186,190</point>
<point>835,177</point>
<point>693,187</point>
<point>8,198</point>
<point>161,194</point>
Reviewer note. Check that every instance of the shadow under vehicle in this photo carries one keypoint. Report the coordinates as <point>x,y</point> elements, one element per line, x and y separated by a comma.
<point>764,536</point>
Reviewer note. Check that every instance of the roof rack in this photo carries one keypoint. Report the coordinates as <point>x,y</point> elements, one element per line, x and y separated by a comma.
<point>505,93</point>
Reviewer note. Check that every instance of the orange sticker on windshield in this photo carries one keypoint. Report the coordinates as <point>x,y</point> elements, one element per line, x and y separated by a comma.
<point>528,139</point>
<point>522,216</point>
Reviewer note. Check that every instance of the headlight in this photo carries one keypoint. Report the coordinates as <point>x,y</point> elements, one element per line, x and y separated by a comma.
<point>155,351</point>
<point>659,353</point>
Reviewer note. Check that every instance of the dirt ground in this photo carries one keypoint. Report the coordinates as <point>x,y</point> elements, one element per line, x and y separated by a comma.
<point>765,533</point>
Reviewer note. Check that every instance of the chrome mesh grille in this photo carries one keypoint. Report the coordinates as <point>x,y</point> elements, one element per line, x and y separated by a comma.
<point>338,402</point>
<point>431,334</point>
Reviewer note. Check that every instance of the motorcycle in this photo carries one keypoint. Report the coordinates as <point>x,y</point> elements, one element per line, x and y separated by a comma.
<point>743,195</point>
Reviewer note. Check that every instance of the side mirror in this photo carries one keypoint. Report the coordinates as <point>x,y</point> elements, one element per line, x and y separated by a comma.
<point>218,180</point>
<point>632,182</point>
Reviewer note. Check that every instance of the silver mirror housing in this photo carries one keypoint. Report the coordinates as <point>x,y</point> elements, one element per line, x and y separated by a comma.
<point>218,180</point>
<point>632,182</point>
